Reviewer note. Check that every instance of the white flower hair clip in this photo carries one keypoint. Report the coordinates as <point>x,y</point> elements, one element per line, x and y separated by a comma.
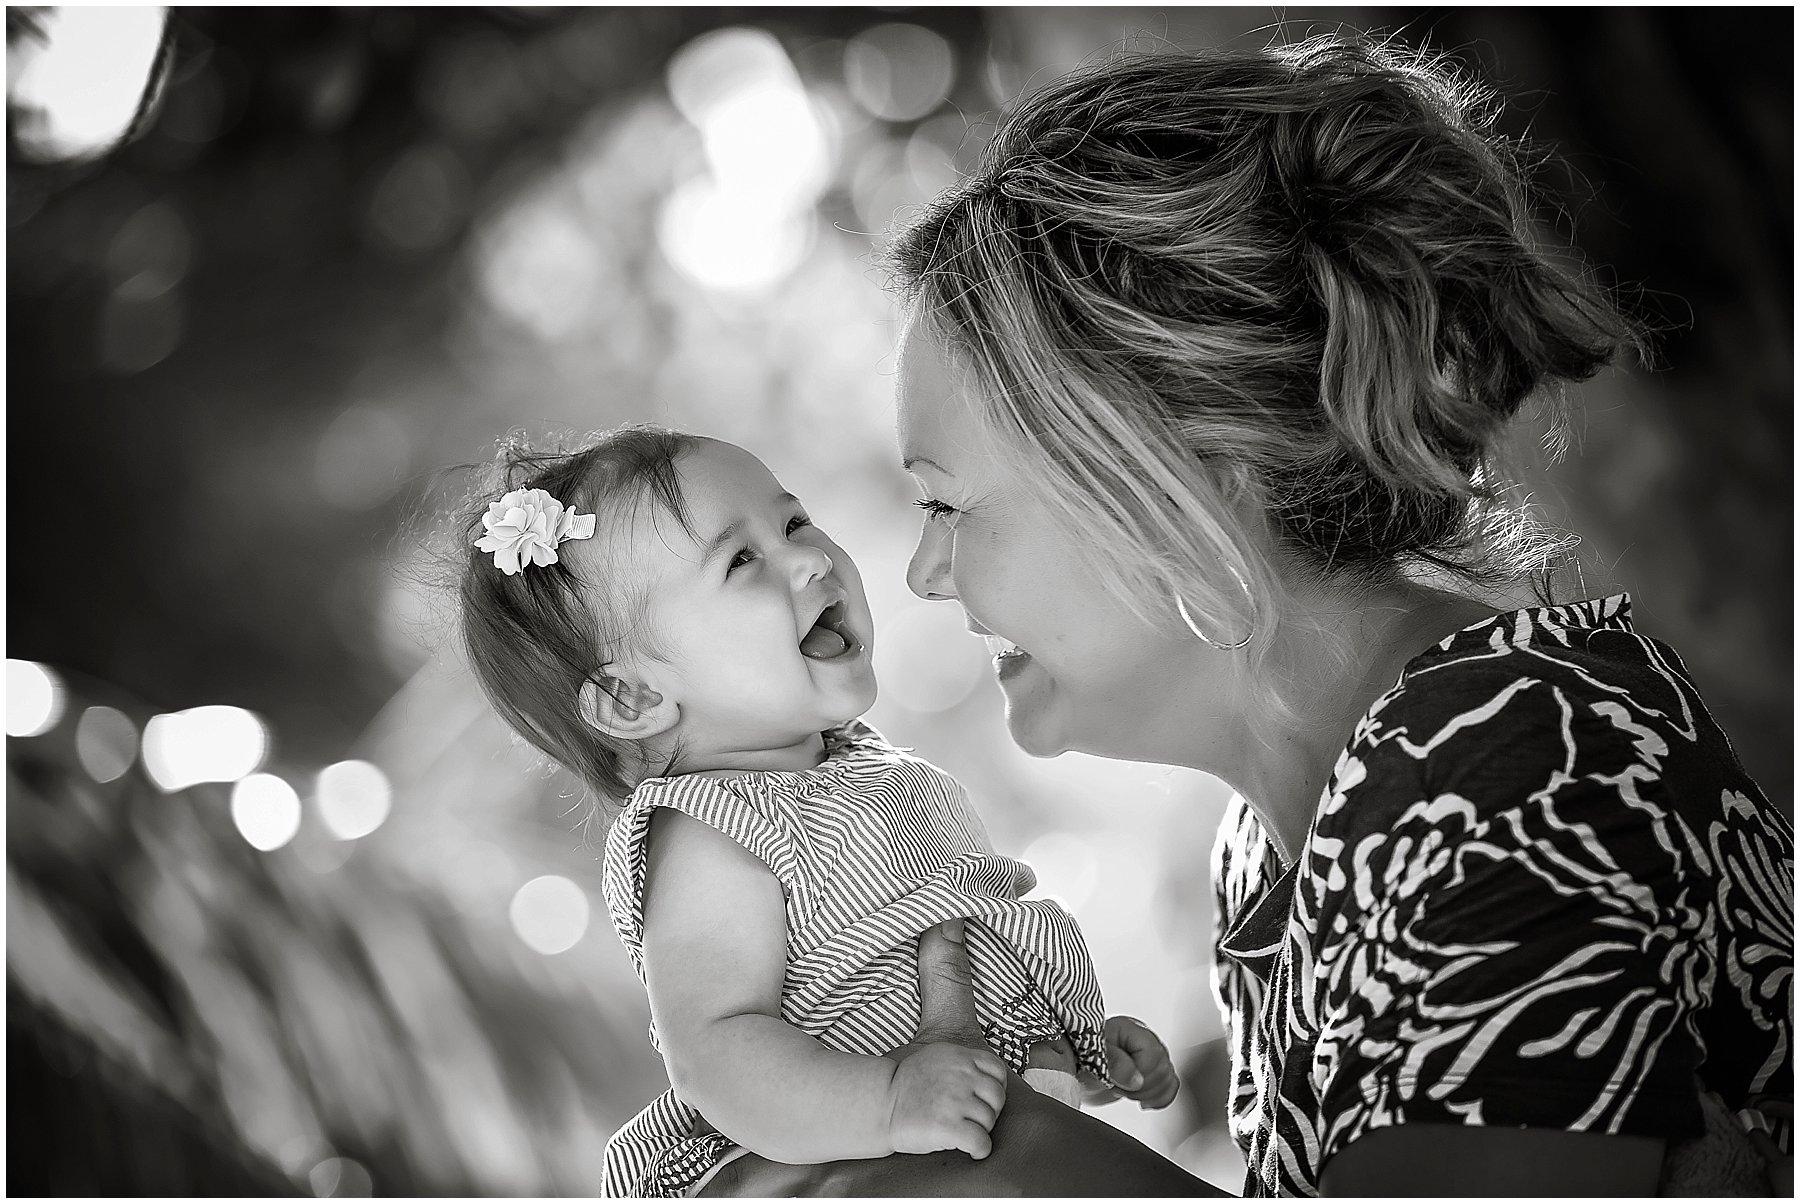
<point>525,526</point>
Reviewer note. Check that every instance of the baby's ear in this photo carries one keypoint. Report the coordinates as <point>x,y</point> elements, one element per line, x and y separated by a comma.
<point>627,709</point>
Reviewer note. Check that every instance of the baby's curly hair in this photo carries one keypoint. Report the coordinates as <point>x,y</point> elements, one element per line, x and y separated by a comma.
<point>534,638</point>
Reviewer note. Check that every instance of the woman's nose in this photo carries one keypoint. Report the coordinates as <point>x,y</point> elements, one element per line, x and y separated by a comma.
<point>928,572</point>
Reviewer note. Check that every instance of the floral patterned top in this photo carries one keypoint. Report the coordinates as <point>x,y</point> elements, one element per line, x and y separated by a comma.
<point>1540,890</point>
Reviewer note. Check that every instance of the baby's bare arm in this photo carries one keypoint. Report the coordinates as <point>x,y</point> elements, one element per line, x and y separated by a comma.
<point>1041,1148</point>
<point>715,938</point>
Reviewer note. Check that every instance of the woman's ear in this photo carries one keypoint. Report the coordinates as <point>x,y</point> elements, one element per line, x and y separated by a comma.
<point>627,709</point>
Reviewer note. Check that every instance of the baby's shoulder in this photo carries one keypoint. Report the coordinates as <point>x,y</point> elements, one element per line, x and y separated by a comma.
<point>723,798</point>
<point>704,783</point>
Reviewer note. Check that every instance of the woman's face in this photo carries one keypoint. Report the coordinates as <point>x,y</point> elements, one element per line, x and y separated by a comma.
<point>1079,670</point>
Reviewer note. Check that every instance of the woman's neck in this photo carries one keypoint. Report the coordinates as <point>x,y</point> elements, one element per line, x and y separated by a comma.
<point>1281,768</point>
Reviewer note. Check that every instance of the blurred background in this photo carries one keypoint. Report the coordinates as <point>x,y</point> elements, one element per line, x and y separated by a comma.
<point>287,909</point>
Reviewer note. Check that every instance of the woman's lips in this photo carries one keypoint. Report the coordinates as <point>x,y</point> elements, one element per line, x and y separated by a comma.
<point>1008,667</point>
<point>1009,658</point>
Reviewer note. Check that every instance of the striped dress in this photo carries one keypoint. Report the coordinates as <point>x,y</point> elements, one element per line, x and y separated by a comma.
<point>871,848</point>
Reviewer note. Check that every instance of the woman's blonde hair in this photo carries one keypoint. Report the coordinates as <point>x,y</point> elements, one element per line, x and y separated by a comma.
<point>1231,303</point>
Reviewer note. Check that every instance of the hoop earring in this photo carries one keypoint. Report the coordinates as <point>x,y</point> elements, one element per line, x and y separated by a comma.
<point>1182,610</point>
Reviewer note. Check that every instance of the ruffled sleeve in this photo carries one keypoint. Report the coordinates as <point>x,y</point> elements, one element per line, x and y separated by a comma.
<point>737,805</point>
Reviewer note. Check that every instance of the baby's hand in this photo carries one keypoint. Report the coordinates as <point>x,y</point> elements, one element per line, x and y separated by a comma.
<point>1138,1064</point>
<point>946,1097</point>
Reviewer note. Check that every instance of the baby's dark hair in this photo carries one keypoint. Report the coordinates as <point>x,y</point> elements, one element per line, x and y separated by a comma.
<point>532,637</point>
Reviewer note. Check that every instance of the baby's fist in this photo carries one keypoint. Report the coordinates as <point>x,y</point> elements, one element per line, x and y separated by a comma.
<point>946,1097</point>
<point>1138,1063</point>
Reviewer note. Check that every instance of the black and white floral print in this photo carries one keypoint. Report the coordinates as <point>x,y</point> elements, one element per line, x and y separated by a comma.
<point>1540,890</point>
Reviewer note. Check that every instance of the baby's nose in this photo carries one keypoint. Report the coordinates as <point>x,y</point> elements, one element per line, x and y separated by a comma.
<point>811,564</point>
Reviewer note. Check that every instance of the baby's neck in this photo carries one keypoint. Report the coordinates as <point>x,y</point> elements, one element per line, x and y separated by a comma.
<point>806,753</point>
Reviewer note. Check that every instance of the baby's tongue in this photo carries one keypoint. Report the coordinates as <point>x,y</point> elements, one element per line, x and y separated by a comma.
<point>822,643</point>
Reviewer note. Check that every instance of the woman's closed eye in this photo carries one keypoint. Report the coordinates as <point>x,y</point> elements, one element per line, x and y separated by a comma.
<point>935,509</point>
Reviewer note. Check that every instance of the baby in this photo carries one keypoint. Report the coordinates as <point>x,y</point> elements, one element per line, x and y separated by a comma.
<point>657,613</point>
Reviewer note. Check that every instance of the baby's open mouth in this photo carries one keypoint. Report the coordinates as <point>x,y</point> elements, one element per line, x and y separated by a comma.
<point>830,636</point>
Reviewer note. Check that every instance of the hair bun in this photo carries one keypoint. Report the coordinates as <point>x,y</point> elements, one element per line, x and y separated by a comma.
<point>1303,276</point>
<point>1441,315</point>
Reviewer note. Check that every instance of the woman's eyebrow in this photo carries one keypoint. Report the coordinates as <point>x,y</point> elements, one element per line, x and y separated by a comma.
<point>911,461</point>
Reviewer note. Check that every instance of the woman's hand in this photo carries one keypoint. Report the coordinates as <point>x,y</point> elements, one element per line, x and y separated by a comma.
<point>950,1086</point>
<point>1040,1147</point>
<point>946,991</point>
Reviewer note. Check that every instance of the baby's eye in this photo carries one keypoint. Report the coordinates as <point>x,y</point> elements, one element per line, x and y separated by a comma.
<point>935,509</point>
<point>743,557</point>
<point>798,521</point>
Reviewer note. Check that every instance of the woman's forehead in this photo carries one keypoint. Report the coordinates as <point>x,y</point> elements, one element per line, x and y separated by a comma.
<point>934,419</point>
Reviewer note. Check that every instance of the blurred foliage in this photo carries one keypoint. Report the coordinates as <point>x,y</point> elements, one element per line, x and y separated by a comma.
<point>355,244</point>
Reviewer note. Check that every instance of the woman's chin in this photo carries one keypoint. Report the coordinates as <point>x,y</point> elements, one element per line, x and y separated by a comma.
<point>1032,730</point>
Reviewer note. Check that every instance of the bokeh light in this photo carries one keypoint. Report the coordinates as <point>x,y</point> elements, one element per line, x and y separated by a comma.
<point>550,913</point>
<point>421,200</point>
<point>353,798</point>
<point>341,1177</point>
<point>764,143</point>
<point>708,72</point>
<point>473,85</point>
<point>34,698</point>
<point>541,264</point>
<point>77,91</point>
<point>362,457</point>
<point>138,332</point>
<point>204,744</point>
<point>926,660</point>
<point>320,852</point>
<point>881,187</point>
<point>935,151</point>
<point>266,810</point>
<point>747,222</point>
<point>899,72</point>
<point>106,741</point>
<point>150,252</point>
<point>723,244</point>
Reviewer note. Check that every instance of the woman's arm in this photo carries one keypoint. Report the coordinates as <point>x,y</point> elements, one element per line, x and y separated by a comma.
<point>715,935</point>
<point>1458,1160</point>
<point>1041,1148</point>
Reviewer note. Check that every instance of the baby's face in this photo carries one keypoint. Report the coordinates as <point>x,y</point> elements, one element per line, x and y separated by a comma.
<point>764,634</point>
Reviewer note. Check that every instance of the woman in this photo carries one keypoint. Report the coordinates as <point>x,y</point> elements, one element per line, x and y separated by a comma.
<point>1206,380</point>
